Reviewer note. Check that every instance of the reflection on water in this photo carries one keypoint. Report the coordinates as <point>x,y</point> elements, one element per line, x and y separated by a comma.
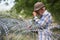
<point>13,29</point>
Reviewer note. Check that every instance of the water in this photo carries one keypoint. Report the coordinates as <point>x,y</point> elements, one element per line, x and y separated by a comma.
<point>14,29</point>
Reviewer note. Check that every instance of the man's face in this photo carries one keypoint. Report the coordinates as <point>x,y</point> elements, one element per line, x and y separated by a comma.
<point>41,11</point>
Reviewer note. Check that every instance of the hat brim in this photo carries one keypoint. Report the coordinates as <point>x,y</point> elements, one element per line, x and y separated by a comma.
<point>36,9</point>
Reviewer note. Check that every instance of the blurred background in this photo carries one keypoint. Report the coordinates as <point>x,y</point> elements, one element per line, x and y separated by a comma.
<point>15,15</point>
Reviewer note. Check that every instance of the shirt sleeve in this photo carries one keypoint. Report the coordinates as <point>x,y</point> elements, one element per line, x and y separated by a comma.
<point>42,21</point>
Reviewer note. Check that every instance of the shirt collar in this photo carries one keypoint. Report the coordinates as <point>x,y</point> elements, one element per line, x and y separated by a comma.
<point>45,12</point>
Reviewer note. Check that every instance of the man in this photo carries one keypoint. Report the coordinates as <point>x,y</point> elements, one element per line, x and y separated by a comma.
<point>44,21</point>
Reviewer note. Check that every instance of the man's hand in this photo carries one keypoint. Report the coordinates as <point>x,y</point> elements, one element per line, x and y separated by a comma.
<point>34,14</point>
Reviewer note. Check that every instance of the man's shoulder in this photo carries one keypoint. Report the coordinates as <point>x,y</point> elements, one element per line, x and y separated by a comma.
<point>48,13</point>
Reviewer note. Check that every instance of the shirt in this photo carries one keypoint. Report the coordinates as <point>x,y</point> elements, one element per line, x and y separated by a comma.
<point>44,20</point>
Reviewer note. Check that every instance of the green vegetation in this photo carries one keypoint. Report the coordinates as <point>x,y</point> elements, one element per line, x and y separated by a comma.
<point>25,7</point>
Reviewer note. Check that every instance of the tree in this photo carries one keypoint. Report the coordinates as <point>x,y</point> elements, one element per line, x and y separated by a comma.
<point>27,5</point>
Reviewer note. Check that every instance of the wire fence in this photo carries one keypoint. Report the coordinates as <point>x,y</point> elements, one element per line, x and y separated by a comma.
<point>17,30</point>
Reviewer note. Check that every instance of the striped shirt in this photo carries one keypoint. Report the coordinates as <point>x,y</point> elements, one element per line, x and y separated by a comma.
<point>46,19</point>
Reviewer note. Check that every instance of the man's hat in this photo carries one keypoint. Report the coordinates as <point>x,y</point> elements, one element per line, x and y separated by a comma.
<point>38,6</point>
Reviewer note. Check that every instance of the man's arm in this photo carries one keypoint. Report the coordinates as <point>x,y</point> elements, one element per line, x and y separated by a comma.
<point>42,21</point>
